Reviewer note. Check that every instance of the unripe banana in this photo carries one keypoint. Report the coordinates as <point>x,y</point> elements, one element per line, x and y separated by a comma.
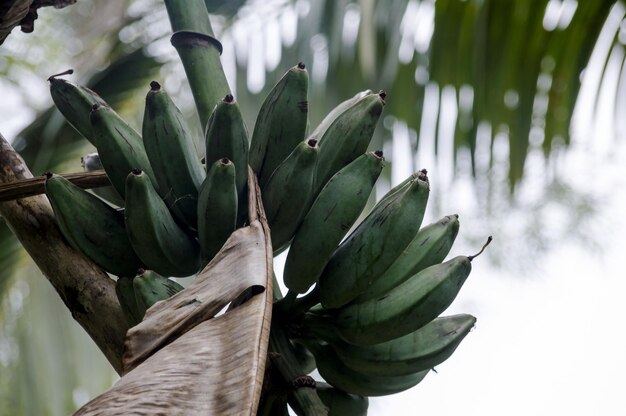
<point>172,154</point>
<point>288,195</point>
<point>340,403</point>
<point>306,361</point>
<point>92,226</point>
<point>158,241</point>
<point>403,310</point>
<point>421,350</point>
<point>91,162</point>
<point>348,137</point>
<point>401,186</point>
<point>281,123</point>
<point>375,244</point>
<point>125,292</point>
<point>150,288</point>
<point>430,246</point>
<point>217,208</point>
<point>227,137</point>
<point>330,118</point>
<point>344,378</point>
<point>332,214</point>
<point>120,147</point>
<point>75,103</point>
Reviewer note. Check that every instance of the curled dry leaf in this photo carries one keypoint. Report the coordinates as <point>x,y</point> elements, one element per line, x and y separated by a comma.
<point>182,359</point>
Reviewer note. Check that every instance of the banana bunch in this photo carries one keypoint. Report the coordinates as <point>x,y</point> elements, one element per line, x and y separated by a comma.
<point>363,306</point>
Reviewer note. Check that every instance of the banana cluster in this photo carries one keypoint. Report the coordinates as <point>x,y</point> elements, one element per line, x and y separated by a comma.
<point>370,321</point>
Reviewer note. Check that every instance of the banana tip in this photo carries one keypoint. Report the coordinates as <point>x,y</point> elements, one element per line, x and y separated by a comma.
<point>155,86</point>
<point>54,77</point>
<point>136,172</point>
<point>95,107</point>
<point>48,175</point>
<point>229,98</point>
<point>382,94</point>
<point>379,154</point>
<point>489,240</point>
<point>312,142</point>
<point>301,65</point>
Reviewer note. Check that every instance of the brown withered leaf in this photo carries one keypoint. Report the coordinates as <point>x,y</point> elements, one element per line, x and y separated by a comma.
<point>182,359</point>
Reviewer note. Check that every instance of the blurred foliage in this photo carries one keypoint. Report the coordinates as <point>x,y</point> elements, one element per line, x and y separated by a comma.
<point>508,71</point>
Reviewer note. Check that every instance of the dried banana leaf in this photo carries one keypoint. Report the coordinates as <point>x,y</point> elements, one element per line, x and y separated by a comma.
<point>182,359</point>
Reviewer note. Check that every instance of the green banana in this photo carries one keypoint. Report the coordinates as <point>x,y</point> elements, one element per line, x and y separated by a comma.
<point>288,193</point>
<point>91,162</point>
<point>340,403</point>
<point>150,288</point>
<point>332,214</point>
<point>406,308</point>
<point>421,350</point>
<point>172,155</point>
<point>227,137</point>
<point>393,192</point>
<point>75,103</point>
<point>217,208</point>
<point>430,246</point>
<point>306,361</point>
<point>158,241</point>
<point>344,378</point>
<point>348,136</point>
<point>330,118</point>
<point>375,244</point>
<point>92,226</point>
<point>120,147</point>
<point>125,292</point>
<point>281,123</point>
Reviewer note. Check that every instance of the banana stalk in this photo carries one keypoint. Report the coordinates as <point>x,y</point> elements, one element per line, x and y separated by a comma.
<point>199,52</point>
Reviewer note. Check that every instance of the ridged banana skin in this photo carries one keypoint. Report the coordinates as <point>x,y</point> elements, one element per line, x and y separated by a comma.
<point>340,403</point>
<point>334,211</point>
<point>172,155</point>
<point>375,244</point>
<point>393,192</point>
<point>217,208</point>
<point>91,162</point>
<point>227,137</point>
<point>75,103</point>
<point>150,288</point>
<point>281,123</point>
<point>421,350</point>
<point>125,292</point>
<point>157,239</point>
<point>288,194</point>
<point>344,378</point>
<point>120,147</point>
<point>430,246</point>
<point>348,137</point>
<point>92,227</point>
<point>330,118</point>
<point>405,309</point>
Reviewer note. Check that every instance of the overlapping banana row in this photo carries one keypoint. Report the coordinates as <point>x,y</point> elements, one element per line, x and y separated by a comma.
<point>371,319</point>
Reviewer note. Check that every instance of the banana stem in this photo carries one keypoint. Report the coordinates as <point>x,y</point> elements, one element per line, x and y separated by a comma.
<point>199,52</point>
<point>303,304</point>
<point>304,400</point>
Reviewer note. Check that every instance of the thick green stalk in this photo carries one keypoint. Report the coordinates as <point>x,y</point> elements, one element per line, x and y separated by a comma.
<point>199,52</point>
<point>304,400</point>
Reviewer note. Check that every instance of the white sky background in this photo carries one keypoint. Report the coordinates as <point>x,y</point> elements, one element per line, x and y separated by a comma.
<point>547,342</point>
